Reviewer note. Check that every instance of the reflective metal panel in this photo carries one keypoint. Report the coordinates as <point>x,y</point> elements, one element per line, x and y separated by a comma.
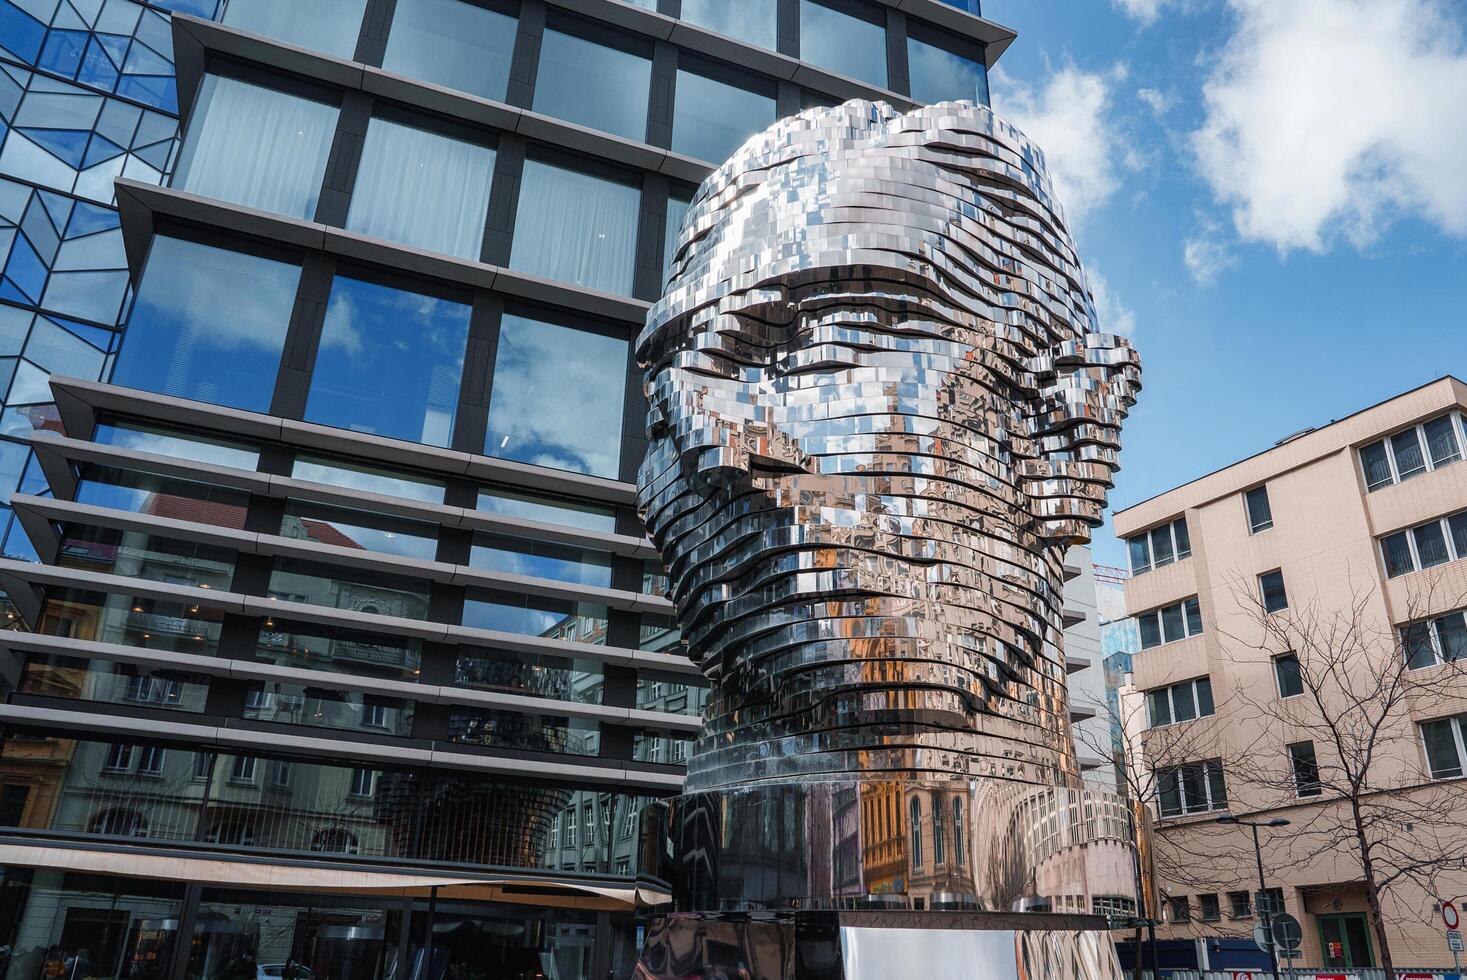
<point>880,410</point>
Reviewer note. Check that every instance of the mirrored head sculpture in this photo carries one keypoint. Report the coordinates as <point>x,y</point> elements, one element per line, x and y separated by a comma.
<point>881,409</point>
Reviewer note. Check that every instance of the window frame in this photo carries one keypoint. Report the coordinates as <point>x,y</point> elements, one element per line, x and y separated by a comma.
<point>1434,640</point>
<point>1456,724</point>
<point>1459,430</point>
<point>1263,590</point>
<point>1205,768</point>
<point>1186,606</point>
<point>1145,537</point>
<point>1172,692</point>
<point>1255,526</point>
<point>1278,677</point>
<point>1304,789</point>
<point>1444,523</point>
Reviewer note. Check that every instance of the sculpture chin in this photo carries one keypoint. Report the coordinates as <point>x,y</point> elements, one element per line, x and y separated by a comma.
<point>879,412</point>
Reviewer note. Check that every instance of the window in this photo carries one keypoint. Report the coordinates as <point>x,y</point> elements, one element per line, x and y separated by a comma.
<point>550,510</point>
<point>1416,450</point>
<point>1210,908</point>
<point>570,828</point>
<point>1181,702</point>
<point>1446,746</point>
<point>716,110</point>
<point>1425,546</point>
<point>389,362</point>
<point>677,209</point>
<point>393,483</point>
<point>457,44</point>
<point>243,770</point>
<point>1271,589</point>
<point>1170,623</point>
<point>939,819</point>
<point>1286,672</point>
<point>1436,641</point>
<point>1260,514</point>
<point>588,823</point>
<point>422,188</point>
<point>150,761</point>
<point>1194,788</point>
<point>363,782</point>
<point>576,227</point>
<point>1240,905</point>
<point>257,147</point>
<point>1180,908</point>
<point>915,831</point>
<point>1271,900</point>
<point>553,401</point>
<point>208,324</point>
<point>1159,546</point>
<point>958,831</point>
<point>753,21</point>
<point>593,84</point>
<point>629,821</point>
<point>943,68</point>
<point>1305,767</point>
<point>280,775</point>
<point>376,715</point>
<point>328,26</point>
<point>848,38</point>
<point>541,559</point>
<point>118,758</point>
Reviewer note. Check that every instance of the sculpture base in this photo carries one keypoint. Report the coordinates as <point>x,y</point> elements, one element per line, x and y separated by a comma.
<point>836,945</point>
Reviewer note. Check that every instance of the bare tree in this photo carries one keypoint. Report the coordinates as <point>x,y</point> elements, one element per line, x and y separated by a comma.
<point>1357,692</point>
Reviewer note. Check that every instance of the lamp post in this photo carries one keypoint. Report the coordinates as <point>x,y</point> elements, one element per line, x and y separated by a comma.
<point>1265,914</point>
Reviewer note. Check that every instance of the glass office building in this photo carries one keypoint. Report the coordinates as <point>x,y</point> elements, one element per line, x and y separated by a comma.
<point>340,645</point>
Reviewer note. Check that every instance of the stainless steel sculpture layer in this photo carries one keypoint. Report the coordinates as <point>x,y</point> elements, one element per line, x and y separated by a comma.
<point>881,409</point>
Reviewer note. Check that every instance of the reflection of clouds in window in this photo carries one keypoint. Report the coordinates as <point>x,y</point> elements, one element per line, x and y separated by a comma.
<point>181,447</point>
<point>541,560</point>
<point>553,402</point>
<point>208,324</point>
<point>748,20</point>
<point>939,75</point>
<point>390,362</point>
<point>368,481</point>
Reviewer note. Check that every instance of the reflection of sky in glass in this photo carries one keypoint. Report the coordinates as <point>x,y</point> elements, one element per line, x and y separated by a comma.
<point>534,616</point>
<point>711,118</point>
<point>452,43</point>
<point>939,76</point>
<point>163,443</point>
<point>753,21</point>
<point>677,209</point>
<point>843,44</point>
<point>332,526</point>
<point>512,504</point>
<point>330,26</point>
<point>554,403</point>
<point>593,85</point>
<point>367,480</point>
<point>519,557</point>
<point>208,325</point>
<point>389,363</point>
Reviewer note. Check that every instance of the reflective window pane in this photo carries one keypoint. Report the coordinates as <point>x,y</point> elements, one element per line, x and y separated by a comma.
<point>677,209</point>
<point>550,510</point>
<point>1458,525</point>
<point>389,362</point>
<point>167,442</point>
<point>540,559</point>
<point>1417,645</point>
<point>1274,595</point>
<point>1260,513</point>
<point>576,227</point>
<point>1204,696</point>
<point>357,477</point>
<point>208,324</point>
<point>1431,544</point>
<point>553,401</point>
<point>1172,624</point>
<point>342,528</point>
<point>1183,539</point>
<point>1286,668</point>
<point>329,26</point>
<point>453,43</point>
<point>713,117</point>
<point>754,21</point>
<point>1140,549</point>
<point>1194,616</point>
<point>422,189</point>
<point>1441,441</point>
<point>1377,465</point>
<point>1406,447</point>
<point>1161,708</point>
<point>1183,708</point>
<point>257,147</point>
<point>1150,625</point>
<point>842,43</point>
<point>1397,555</point>
<point>369,593</point>
<point>593,85</point>
<point>1161,545</point>
<point>1451,636</point>
<point>577,622</point>
<point>1441,749</point>
<point>940,74</point>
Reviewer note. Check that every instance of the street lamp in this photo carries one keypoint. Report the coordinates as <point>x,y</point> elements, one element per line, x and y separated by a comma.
<point>1265,914</point>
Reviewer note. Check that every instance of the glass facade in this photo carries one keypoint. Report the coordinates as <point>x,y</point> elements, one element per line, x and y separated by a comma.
<point>941,72</point>
<point>256,146</point>
<point>208,324</point>
<point>422,188</point>
<point>331,603</point>
<point>389,362</point>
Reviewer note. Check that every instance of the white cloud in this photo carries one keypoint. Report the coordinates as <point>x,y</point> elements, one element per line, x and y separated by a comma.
<point>1159,102</point>
<point>1330,118</point>
<point>1143,10</point>
<point>1069,118</point>
<point>1114,316</point>
<point>1207,252</point>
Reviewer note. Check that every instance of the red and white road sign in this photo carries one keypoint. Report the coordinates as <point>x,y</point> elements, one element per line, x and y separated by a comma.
<point>1416,976</point>
<point>1242,975</point>
<point>1449,915</point>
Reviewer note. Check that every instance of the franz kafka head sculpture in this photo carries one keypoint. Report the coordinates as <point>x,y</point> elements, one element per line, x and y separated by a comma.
<point>880,411</point>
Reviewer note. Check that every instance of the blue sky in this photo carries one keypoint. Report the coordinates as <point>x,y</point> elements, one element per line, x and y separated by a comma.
<point>1270,197</point>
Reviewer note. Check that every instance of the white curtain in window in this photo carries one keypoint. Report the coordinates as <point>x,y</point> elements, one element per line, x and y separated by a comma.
<point>576,228</point>
<point>257,147</point>
<point>422,189</point>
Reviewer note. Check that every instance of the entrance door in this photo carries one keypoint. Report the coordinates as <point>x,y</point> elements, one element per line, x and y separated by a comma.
<point>1345,940</point>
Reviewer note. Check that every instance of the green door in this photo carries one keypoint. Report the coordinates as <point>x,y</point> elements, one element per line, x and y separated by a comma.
<point>1345,940</point>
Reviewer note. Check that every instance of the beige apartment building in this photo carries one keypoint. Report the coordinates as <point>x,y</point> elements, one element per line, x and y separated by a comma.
<point>1342,537</point>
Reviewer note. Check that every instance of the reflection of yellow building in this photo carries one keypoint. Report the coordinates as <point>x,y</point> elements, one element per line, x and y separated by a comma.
<point>883,856</point>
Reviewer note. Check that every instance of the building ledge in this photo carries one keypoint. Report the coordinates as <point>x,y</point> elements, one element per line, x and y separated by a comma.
<point>80,403</point>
